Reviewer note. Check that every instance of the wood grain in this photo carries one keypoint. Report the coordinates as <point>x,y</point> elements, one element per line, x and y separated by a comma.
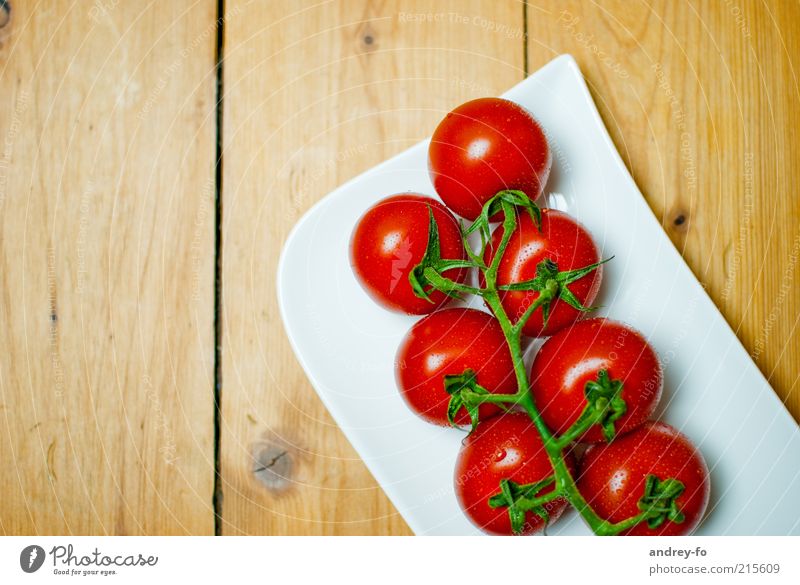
<point>107,129</point>
<point>314,96</point>
<point>107,252</point>
<point>702,117</point>
<point>702,100</point>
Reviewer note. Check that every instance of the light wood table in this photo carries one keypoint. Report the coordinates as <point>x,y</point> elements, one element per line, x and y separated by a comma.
<point>138,273</point>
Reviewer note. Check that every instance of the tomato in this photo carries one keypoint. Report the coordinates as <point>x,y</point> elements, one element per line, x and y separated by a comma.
<point>485,146</point>
<point>562,240</point>
<point>506,446</point>
<point>390,239</point>
<point>575,355</point>
<point>448,342</point>
<point>613,477</point>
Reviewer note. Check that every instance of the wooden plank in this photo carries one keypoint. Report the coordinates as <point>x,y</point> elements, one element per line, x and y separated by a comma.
<point>107,252</point>
<point>702,100</point>
<point>313,96</point>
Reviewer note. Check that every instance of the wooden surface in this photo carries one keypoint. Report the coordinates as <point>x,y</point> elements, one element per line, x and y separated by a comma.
<point>309,103</point>
<point>107,263</point>
<point>108,227</point>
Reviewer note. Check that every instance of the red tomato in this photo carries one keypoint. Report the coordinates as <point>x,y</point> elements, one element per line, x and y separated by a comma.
<point>562,240</point>
<point>449,342</point>
<point>613,477</point>
<point>390,239</point>
<point>575,355</point>
<point>506,446</point>
<point>485,146</point>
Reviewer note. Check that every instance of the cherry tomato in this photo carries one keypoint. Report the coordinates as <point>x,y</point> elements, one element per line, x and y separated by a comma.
<point>448,342</point>
<point>506,446</point>
<point>390,239</point>
<point>575,355</point>
<point>485,146</point>
<point>562,240</point>
<point>613,477</point>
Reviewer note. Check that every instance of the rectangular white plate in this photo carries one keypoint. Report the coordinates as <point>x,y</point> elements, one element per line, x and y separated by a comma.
<point>713,391</point>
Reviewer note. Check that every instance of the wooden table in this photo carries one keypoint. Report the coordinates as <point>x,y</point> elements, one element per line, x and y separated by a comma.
<point>146,386</point>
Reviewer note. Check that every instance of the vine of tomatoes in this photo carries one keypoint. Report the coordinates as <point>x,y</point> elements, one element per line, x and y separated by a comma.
<point>594,381</point>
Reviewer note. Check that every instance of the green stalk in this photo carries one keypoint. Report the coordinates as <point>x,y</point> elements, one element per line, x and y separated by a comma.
<point>565,483</point>
<point>513,338</point>
<point>553,283</point>
<point>575,432</point>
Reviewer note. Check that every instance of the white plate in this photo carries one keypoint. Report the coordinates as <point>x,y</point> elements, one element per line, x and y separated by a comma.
<point>713,391</point>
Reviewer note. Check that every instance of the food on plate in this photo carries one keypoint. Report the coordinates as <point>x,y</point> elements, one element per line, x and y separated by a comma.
<point>456,346</point>
<point>391,238</point>
<point>596,359</point>
<point>559,245</point>
<point>653,468</point>
<point>503,477</point>
<point>485,146</point>
<point>594,380</point>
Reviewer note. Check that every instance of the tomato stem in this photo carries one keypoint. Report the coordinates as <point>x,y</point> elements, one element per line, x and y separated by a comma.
<point>604,406</point>
<point>509,225</point>
<point>545,296</point>
<point>498,398</point>
<point>554,446</point>
<point>550,284</point>
<point>446,285</point>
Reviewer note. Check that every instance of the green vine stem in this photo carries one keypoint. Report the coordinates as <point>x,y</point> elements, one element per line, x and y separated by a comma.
<point>554,447</point>
<point>605,405</point>
<point>520,499</point>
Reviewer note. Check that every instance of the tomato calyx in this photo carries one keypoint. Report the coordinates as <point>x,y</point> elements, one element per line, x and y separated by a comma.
<point>505,201</point>
<point>462,388</point>
<point>552,284</point>
<point>427,275</point>
<point>523,498</point>
<point>659,502</point>
<point>466,393</point>
<point>604,407</point>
